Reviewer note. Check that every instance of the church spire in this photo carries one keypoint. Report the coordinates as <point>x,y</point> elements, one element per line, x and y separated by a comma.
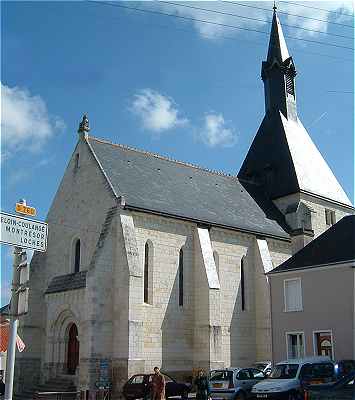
<point>278,73</point>
<point>277,45</point>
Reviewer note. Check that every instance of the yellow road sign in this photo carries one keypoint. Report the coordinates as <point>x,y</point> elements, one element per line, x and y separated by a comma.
<point>22,209</point>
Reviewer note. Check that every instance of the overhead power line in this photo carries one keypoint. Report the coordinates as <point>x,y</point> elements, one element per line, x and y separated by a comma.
<point>252,19</point>
<point>287,13</point>
<point>340,91</point>
<point>214,23</point>
<point>316,8</point>
<point>233,38</point>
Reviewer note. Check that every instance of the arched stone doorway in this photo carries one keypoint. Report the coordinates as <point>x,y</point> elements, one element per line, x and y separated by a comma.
<point>63,347</point>
<point>72,349</point>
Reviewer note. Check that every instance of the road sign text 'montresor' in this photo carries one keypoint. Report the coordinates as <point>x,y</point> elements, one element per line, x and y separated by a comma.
<point>23,232</point>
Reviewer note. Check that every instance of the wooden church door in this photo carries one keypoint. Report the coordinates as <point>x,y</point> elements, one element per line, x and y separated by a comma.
<point>73,350</point>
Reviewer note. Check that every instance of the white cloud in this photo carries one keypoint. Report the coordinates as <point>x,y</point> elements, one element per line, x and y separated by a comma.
<point>25,121</point>
<point>210,31</point>
<point>315,24</point>
<point>156,112</point>
<point>215,132</point>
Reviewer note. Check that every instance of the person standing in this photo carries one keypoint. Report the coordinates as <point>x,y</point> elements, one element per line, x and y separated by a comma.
<point>158,383</point>
<point>202,385</point>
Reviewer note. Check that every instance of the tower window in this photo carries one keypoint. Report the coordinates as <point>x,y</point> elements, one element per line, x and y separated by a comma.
<point>77,256</point>
<point>181,278</point>
<point>329,217</point>
<point>290,85</point>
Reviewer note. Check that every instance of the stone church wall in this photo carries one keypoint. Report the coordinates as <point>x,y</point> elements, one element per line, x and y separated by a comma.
<point>318,207</point>
<point>318,216</point>
<point>78,211</point>
<point>238,333</point>
<point>168,327</point>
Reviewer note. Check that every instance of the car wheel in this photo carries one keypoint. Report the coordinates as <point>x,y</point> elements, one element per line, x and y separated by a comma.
<point>240,396</point>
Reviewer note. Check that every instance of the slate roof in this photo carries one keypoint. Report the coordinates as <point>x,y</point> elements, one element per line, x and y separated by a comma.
<point>335,245</point>
<point>67,282</point>
<point>154,183</point>
<point>283,149</point>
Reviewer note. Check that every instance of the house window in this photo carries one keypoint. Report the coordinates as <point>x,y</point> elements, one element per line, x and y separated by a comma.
<point>295,344</point>
<point>77,256</point>
<point>242,283</point>
<point>329,217</point>
<point>293,294</point>
<point>323,342</point>
<point>181,278</point>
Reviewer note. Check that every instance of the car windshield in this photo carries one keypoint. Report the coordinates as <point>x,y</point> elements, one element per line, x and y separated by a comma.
<point>284,371</point>
<point>221,375</point>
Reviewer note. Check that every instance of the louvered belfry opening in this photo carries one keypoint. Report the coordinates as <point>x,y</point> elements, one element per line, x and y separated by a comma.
<point>290,85</point>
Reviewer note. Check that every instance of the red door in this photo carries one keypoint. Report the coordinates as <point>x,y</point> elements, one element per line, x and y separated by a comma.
<point>73,350</point>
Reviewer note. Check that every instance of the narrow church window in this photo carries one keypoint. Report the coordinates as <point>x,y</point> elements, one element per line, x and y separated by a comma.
<point>76,165</point>
<point>181,278</point>
<point>77,256</point>
<point>242,283</point>
<point>216,261</point>
<point>146,272</point>
<point>290,86</point>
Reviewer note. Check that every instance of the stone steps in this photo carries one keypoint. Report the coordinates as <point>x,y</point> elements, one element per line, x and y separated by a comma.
<point>48,389</point>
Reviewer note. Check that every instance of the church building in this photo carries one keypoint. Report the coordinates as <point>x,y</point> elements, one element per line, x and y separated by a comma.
<point>157,262</point>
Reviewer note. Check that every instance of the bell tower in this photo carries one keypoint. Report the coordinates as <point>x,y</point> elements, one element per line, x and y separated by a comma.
<point>283,163</point>
<point>278,73</point>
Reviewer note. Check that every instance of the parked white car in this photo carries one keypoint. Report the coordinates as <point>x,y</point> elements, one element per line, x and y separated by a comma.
<point>233,383</point>
<point>286,378</point>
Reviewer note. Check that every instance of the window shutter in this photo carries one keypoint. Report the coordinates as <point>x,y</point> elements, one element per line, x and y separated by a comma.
<point>293,295</point>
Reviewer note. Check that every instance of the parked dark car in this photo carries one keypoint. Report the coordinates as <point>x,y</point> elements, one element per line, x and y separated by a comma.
<point>140,387</point>
<point>344,367</point>
<point>343,389</point>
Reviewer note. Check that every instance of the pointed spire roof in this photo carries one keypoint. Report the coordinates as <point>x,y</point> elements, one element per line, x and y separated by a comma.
<point>283,149</point>
<point>277,45</point>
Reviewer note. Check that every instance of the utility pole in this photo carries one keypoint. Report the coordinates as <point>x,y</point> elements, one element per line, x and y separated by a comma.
<point>18,306</point>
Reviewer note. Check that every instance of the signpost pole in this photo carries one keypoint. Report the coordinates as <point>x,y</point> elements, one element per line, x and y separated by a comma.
<point>11,349</point>
<point>22,233</point>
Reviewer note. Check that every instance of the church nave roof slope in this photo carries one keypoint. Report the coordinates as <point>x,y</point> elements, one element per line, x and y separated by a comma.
<point>153,183</point>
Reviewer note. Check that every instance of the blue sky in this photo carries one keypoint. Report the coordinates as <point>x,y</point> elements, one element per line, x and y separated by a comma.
<point>173,86</point>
